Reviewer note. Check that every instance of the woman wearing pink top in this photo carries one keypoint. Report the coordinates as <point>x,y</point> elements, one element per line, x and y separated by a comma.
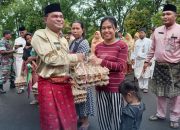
<point>111,53</point>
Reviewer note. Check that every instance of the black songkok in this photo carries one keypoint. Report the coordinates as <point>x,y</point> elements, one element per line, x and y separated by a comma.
<point>142,30</point>
<point>22,28</point>
<point>170,7</point>
<point>55,7</point>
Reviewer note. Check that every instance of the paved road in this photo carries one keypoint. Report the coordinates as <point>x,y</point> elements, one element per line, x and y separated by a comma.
<point>17,114</point>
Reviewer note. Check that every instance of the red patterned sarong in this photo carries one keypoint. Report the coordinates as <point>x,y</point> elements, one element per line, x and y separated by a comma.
<point>56,103</point>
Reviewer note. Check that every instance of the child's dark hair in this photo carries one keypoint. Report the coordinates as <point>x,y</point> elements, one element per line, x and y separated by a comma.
<point>129,86</point>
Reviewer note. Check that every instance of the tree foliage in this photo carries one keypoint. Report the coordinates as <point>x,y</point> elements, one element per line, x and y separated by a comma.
<point>156,19</point>
<point>141,15</point>
<point>130,14</point>
<point>30,13</point>
<point>117,8</point>
<point>136,20</point>
<point>146,16</point>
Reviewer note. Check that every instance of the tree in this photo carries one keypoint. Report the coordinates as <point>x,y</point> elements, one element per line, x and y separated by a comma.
<point>30,13</point>
<point>130,14</point>
<point>117,8</point>
<point>141,15</point>
<point>136,20</point>
<point>156,19</point>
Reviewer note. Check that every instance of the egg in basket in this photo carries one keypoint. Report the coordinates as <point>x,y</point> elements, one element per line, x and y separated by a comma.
<point>86,74</point>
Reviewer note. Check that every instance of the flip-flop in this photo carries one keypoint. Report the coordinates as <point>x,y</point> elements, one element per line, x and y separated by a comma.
<point>20,91</point>
<point>156,118</point>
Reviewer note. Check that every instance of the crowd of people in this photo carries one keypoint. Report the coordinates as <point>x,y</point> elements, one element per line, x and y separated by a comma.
<point>46,57</point>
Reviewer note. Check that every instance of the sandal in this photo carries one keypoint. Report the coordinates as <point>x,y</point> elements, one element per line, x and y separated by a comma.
<point>174,124</point>
<point>33,102</point>
<point>20,91</point>
<point>156,118</point>
<point>145,90</point>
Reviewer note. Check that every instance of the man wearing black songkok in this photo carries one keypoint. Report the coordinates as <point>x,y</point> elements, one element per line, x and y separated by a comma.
<point>57,110</point>
<point>166,82</point>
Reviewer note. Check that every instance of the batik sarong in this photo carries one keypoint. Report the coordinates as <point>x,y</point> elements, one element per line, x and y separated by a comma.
<point>166,79</point>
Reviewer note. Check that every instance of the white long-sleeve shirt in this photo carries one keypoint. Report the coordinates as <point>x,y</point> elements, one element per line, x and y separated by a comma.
<point>20,41</point>
<point>142,47</point>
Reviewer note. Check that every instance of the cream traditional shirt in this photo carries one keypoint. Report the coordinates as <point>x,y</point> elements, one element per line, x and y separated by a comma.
<point>53,53</point>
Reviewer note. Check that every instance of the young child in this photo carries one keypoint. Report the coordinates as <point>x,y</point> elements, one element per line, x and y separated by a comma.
<point>132,112</point>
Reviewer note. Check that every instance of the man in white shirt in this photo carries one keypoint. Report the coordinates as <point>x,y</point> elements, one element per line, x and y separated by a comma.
<point>19,45</point>
<point>142,46</point>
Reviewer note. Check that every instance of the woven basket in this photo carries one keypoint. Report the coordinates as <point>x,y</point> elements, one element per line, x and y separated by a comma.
<point>86,74</point>
<point>35,89</point>
<point>79,95</point>
<point>20,81</point>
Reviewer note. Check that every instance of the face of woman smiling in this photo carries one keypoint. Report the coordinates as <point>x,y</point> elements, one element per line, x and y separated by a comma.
<point>108,31</point>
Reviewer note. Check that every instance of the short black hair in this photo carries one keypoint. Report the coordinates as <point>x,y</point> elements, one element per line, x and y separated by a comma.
<point>6,32</point>
<point>142,30</point>
<point>22,28</point>
<point>27,34</point>
<point>110,19</point>
<point>129,86</point>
